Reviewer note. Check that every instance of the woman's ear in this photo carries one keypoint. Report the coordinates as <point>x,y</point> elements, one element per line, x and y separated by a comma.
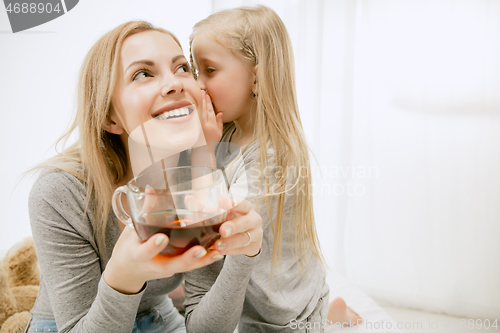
<point>112,126</point>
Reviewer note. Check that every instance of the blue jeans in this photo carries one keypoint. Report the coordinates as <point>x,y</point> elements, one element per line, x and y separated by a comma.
<point>163,318</point>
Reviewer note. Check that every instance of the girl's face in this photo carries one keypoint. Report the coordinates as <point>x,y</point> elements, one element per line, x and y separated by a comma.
<point>155,97</point>
<point>227,78</point>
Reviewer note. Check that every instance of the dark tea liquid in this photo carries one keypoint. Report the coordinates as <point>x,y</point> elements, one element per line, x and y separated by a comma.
<point>184,229</point>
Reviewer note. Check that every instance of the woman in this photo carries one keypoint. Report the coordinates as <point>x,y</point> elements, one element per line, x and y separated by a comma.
<point>97,276</point>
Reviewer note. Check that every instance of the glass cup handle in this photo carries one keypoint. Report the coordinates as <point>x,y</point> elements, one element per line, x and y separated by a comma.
<point>116,203</point>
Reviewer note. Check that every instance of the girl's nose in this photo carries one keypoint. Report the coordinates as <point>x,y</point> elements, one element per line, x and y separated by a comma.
<point>172,87</point>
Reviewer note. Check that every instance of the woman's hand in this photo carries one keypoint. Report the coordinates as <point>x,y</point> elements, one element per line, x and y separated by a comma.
<point>242,233</point>
<point>134,262</point>
<point>211,123</point>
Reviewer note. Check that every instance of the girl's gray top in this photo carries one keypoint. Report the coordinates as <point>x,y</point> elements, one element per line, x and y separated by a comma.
<point>72,290</point>
<point>294,295</point>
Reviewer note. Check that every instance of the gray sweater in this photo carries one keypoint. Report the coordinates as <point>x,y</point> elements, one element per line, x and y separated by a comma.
<point>265,307</point>
<point>72,290</point>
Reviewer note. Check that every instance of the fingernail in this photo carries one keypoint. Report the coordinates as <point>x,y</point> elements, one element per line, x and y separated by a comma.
<point>228,231</point>
<point>149,189</point>
<point>160,240</point>
<point>217,257</point>
<point>200,254</point>
<point>221,245</point>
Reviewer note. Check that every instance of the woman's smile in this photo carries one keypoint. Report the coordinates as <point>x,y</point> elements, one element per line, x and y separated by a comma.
<point>176,112</point>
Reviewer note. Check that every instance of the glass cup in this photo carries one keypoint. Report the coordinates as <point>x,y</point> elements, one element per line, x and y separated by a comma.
<point>188,204</point>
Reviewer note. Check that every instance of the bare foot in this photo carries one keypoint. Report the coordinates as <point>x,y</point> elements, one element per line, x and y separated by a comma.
<point>339,312</point>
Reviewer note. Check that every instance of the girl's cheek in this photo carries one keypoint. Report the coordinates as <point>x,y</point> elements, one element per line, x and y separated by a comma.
<point>214,100</point>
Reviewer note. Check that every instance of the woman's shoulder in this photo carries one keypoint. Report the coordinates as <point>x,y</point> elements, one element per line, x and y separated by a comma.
<point>57,184</point>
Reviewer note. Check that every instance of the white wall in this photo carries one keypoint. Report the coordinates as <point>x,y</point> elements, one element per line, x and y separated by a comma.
<point>38,73</point>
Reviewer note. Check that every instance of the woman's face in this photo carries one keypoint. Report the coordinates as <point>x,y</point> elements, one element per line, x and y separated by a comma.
<point>155,97</point>
<point>226,77</point>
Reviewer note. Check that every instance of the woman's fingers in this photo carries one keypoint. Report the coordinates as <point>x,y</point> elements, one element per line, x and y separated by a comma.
<point>248,244</point>
<point>240,219</point>
<point>150,200</point>
<point>239,240</point>
<point>225,203</point>
<point>151,248</point>
<point>192,203</point>
<point>242,207</point>
<point>242,234</point>
<point>193,258</point>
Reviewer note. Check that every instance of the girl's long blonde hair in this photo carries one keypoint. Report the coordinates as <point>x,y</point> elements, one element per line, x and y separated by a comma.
<point>260,36</point>
<point>98,158</point>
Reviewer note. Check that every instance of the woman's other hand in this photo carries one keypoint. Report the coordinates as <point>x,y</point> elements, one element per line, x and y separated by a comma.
<point>242,233</point>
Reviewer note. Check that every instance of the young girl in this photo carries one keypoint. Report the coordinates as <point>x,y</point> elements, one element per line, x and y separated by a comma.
<point>96,274</point>
<point>243,59</point>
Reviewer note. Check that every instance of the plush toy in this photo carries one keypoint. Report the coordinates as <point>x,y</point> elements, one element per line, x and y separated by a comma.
<point>19,281</point>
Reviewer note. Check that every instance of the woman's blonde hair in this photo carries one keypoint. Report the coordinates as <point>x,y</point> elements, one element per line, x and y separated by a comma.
<point>260,36</point>
<point>98,158</point>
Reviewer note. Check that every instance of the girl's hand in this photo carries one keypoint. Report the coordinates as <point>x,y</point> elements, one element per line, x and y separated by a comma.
<point>210,122</point>
<point>242,233</point>
<point>134,262</point>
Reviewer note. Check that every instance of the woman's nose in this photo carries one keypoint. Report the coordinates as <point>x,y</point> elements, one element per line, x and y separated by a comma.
<point>172,87</point>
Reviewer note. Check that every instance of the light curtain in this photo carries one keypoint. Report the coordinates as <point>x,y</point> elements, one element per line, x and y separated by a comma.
<point>400,102</point>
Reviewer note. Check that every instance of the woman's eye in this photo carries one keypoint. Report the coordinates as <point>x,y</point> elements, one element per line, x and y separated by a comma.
<point>140,74</point>
<point>184,68</point>
<point>210,70</point>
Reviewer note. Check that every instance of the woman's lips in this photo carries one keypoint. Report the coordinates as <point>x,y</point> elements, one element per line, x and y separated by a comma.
<point>176,116</point>
<point>172,106</point>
